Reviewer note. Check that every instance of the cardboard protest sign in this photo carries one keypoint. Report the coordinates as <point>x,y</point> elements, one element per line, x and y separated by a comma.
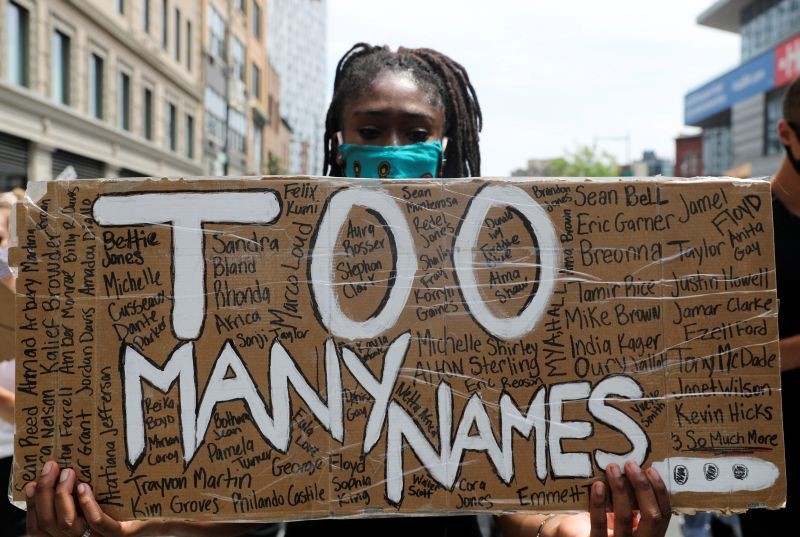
<point>302,347</point>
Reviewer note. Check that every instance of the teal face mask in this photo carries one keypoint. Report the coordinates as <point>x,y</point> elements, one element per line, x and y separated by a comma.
<point>394,162</point>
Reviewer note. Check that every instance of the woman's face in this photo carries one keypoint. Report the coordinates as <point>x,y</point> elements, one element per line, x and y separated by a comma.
<point>393,110</point>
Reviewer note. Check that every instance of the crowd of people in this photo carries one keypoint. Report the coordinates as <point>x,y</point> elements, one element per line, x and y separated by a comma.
<point>418,108</point>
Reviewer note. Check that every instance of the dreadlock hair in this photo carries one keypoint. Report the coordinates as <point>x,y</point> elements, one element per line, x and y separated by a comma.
<point>445,80</point>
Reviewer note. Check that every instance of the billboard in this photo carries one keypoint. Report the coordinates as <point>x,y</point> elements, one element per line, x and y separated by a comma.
<point>751,78</point>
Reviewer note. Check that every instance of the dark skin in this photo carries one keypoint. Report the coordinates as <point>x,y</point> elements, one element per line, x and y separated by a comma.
<point>392,111</point>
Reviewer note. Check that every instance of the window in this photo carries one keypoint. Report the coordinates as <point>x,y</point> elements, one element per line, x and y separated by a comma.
<point>177,35</point>
<point>61,68</point>
<point>189,141</point>
<point>716,150</point>
<point>120,5</point>
<point>240,5</point>
<point>164,26</point>
<point>237,56</point>
<point>216,32</point>
<point>258,147</point>
<point>148,114</point>
<point>124,101</point>
<point>765,23</point>
<point>256,20</point>
<point>216,109</point>
<point>172,127</point>
<point>146,16</point>
<point>256,82</point>
<point>189,45</point>
<point>96,86</point>
<point>237,130</point>
<point>17,45</point>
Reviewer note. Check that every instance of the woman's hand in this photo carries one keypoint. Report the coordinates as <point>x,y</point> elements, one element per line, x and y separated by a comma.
<point>52,511</point>
<point>651,495</point>
<point>648,488</point>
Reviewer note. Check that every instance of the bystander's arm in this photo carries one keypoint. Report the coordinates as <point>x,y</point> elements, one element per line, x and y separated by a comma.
<point>790,353</point>
<point>520,525</point>
<point>203,529</point>
<point>6,405</point>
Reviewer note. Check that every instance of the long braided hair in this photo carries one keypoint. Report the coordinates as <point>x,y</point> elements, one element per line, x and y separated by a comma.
<point>445,80</point>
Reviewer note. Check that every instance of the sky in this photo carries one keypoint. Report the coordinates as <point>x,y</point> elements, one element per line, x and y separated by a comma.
<point>554,75</point>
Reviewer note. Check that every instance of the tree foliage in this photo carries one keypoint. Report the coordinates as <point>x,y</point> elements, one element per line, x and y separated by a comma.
<point>585,161</point>
<point>275,166</point>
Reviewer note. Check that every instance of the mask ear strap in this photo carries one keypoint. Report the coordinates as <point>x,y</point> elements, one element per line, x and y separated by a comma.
<point>339,160</point>
<point>442,159</point>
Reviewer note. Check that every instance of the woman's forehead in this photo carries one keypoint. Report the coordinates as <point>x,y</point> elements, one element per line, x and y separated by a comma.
<point>397,86</point>
<point>393,89</point>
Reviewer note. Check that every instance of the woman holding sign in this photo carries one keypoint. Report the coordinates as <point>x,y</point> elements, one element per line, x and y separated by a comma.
<point>417,110</point>
<point>406,114</point>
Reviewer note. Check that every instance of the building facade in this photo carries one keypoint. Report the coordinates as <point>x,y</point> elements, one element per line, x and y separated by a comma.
<point>689,156</point>
<point>107,89</point>
<point>650,165</point>
<point>296,44</point>
<point>257,87</point>
<point>279,131</point>
<point>738,111</point>
<point>228,89</point>
<point>536,168</point>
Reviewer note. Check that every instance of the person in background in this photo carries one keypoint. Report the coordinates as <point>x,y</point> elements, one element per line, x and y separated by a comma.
<point>786,220</point>
<point>13,518</point>
<point>406,114</point>
<point>5,214</point>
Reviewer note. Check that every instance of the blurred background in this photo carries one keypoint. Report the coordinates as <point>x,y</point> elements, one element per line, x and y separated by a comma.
<point>131,88</point>
<point>122,88</point>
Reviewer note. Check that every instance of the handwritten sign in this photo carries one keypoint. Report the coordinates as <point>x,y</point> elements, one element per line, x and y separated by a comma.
<point>300,347</point>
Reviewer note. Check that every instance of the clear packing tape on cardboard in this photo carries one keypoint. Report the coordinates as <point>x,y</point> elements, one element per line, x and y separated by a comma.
<point>244,349</point>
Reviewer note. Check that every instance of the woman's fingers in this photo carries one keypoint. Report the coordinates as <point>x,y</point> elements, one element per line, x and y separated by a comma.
<point>30,513</point>
<point>654,519</point>
<point>597,510</point>
<point>621,501</point>
<point>43,500</point>
<point>660,488</point>
<point>99,521</point>
<point>67,518</point>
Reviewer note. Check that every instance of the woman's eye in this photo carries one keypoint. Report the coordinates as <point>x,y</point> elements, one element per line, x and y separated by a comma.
<point>369,133</point>
<point>418,136</point>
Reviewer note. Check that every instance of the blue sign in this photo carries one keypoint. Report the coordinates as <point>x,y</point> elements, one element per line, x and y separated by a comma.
<point>751,78</point>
